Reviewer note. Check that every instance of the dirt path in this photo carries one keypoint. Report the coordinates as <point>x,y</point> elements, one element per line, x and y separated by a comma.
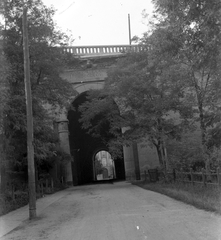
<point>119,211</point>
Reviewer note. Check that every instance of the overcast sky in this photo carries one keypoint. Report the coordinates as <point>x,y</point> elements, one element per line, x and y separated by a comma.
<point>101,22</point>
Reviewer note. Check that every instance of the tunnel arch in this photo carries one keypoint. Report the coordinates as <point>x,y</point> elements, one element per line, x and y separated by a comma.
<point>83,146</point>
<point>110,164</point>
<point>93,158</point>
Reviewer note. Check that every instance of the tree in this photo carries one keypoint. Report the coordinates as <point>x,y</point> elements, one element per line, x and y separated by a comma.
<point>100,116</point>
<point>48,89</point>
<point>192,31</point>
<point>4,70</point>
<point>176,82</point>
<point>148,100</point>
<point>46,59</point>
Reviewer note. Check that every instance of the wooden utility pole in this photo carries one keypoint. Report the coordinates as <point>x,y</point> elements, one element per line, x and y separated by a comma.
<point>30,138</point>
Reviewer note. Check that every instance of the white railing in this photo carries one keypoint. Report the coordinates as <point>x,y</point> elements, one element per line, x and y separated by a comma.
<point>102,50</point>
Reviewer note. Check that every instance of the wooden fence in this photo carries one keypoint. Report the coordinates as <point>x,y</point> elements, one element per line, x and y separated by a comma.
<point>191,177</point>
<point>43,186</point>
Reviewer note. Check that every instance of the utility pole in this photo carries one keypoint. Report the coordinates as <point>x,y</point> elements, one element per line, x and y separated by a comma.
<point>129,29</point>
<point>30,138</point>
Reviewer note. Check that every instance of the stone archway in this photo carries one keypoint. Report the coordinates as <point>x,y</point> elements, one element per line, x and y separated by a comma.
<point>103,165</point>
<point>137,158</point>
<point>83,146</point>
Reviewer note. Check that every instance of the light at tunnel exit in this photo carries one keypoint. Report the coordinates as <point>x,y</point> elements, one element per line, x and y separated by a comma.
<point>104,167</point>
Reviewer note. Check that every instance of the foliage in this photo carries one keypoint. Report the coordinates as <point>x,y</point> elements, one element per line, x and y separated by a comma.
<point>148,100</point>
<point>191,31</point>
<point>7,204</point>
<point>48,89</point>
<point>100,116</point>
<point>185,153</point>
<point>174,84</point>
<point>4,69</point>
<point>46,60</point>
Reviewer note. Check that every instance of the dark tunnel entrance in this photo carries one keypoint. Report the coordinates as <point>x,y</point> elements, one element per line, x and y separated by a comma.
<point>84,147</point>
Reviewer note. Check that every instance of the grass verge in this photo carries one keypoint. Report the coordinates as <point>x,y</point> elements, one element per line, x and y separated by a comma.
<point>207,198</point>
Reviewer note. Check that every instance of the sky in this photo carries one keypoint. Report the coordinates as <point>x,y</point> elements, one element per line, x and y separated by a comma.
<point>101,22</point>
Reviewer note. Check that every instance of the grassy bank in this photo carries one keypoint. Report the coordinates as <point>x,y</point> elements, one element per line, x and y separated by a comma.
<point>207,198</point>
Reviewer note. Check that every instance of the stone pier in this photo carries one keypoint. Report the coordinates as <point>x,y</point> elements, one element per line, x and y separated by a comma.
<point>64,143</point>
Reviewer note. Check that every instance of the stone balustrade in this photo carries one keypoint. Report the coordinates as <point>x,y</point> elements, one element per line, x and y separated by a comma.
<point>102,50</point>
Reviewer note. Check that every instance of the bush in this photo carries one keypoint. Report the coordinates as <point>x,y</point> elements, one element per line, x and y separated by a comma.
<point>185,153</point>
<point>8,204</point>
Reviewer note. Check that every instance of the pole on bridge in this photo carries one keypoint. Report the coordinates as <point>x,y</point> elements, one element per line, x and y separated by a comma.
<point>129,29</point>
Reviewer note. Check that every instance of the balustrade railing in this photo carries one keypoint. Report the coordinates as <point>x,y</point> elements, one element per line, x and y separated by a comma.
<point>102,50</point>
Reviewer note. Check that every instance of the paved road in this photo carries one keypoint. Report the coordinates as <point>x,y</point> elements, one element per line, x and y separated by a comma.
<point>119,211</point>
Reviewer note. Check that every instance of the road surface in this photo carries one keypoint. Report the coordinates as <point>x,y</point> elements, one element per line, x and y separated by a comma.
<point>119,211</point>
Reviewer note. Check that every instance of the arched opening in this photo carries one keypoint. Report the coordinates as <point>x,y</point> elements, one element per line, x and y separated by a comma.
<point>84,147</point>
<point>103,166</point>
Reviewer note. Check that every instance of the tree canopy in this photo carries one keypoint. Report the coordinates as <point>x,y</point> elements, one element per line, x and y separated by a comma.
<point>175,84</point>
<point>193,30</point>
<point>48,89</point>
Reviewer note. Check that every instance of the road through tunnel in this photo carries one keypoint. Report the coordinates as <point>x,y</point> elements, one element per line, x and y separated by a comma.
<point>84,147</point>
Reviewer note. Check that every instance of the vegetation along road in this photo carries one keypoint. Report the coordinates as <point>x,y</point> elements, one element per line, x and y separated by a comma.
<point>119,211</point>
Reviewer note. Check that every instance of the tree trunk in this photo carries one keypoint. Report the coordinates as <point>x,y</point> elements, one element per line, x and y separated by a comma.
<point>3,177</point>
<point>159,154</point>
<point>204,140</point>
<point>165,156</point>
<point>136,161</point>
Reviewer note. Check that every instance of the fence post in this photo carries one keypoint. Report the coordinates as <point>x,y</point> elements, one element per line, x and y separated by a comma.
<point>203,177</point>
<point>191,176</point>
<point>52,185</point>
<point>218,177</point>
<point>13,190</point>
<point>145,175</point>
<point>62,180</point>
<point>182,175</point>
<point>42,189</point>
<point>174,175</point>
<point>38,189</point>
<point>46,185</point>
